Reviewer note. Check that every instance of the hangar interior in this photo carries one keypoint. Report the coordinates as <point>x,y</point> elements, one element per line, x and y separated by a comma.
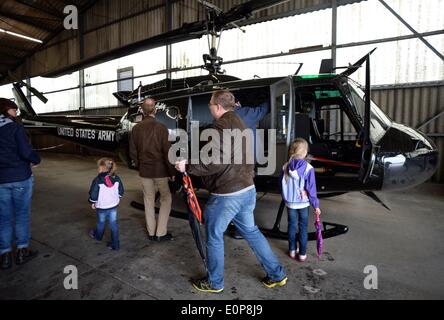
<point>78,53</point>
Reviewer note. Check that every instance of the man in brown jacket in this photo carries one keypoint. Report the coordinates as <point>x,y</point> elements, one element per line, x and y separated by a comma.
<point>149,148</point>
<point>232,198</point>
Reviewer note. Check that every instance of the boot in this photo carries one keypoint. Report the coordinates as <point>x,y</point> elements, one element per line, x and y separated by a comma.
<point>6,261</point>
<point>25,255</point>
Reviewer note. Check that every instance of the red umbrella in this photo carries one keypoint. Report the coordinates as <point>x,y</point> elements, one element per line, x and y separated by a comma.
<point>319,240</point>
<point>191,197</point>
<point>194,215</point>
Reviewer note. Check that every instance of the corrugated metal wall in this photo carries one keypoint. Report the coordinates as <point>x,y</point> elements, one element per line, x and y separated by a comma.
<point>111,24</point>
<point>413,105</point>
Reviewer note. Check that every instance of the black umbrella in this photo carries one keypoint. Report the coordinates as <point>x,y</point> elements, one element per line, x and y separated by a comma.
<point>194,215</point>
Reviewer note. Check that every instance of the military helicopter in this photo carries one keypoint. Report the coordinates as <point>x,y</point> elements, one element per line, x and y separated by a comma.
<point>354,146</point>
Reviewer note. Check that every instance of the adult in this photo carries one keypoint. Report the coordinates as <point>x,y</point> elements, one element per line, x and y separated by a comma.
<point>232,198</point>
<point>251,117</point>
<point>149,148</point>
<point>16,184</point>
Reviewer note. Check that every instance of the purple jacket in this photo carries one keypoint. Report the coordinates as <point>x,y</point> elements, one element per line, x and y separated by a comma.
<point>300,189</point>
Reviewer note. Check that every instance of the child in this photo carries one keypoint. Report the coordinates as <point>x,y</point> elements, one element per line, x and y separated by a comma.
<point>298,191</point>
<point>105,193</point>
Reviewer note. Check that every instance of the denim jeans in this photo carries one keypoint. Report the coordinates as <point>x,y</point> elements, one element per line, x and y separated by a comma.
<point>297,229</point>
<point>111,215</point>
<point>15,203</point>
<point>219,212</point>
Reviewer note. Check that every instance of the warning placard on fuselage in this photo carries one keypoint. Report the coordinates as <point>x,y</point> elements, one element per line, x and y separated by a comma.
<point>87,134</point>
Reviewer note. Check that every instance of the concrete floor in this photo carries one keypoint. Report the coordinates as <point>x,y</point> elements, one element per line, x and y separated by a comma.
<point>405,244</point>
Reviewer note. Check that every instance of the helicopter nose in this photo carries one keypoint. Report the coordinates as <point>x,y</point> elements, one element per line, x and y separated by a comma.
<point>411,160</point>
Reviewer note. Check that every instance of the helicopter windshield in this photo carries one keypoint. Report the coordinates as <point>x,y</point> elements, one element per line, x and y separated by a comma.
<point>379,122</point>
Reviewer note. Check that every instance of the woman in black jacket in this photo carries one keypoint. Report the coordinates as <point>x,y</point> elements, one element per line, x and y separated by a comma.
<point>16,183</point>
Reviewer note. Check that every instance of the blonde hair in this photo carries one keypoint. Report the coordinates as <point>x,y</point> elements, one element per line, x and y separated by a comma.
<point>298,150</point>
<point>109,164</point>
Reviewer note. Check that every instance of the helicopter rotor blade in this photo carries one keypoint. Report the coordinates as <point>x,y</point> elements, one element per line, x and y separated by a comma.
<point>34,91</point>
<point>38,94</point>
<point>188,31</point>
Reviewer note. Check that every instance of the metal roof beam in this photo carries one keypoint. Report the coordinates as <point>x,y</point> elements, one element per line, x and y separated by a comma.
<point>25,20</point>
<point>8,54</point>
<point>439,114</point>
<point>53,34</point>
<point>7,58</point>
<point>16,47</point>
<point>416,33</point>
<point>42,8</point>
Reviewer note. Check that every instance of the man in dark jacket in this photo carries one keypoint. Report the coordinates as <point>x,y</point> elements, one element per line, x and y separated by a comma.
<point>233,198</point>
<point>149,148</point>
<point>16,183</point>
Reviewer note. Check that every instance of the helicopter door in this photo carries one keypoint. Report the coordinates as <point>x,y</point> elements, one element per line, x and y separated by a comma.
<point>368,154</point>
<point>282,115</point>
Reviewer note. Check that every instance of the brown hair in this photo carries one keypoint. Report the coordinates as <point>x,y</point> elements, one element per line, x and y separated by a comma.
<point>109,164</point>
<point>5,105</point>
<point>297,150</point>
<point>225,99</point>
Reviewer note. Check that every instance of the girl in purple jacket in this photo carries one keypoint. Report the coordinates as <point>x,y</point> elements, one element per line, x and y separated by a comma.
<point>298,187</point>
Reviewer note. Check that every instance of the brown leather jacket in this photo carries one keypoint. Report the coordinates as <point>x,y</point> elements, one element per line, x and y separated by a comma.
<point>226,178</point>
<point>149,148</point>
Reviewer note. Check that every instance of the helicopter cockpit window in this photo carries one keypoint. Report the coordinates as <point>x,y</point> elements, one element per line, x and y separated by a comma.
<point>333,128</point>
<point>331,117</point>
<point>379,122</point>
<point>327,115</point>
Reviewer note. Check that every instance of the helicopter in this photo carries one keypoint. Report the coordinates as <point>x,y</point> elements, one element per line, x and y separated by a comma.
<point>354,145</point>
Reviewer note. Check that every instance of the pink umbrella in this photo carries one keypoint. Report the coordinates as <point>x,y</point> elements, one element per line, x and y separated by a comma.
<point>319,240</point>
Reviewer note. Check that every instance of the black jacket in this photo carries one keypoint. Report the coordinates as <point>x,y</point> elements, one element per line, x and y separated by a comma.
<point>16,153</point>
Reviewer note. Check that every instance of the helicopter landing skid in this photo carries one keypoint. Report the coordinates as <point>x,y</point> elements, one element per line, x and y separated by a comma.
<point>173,213</point>
<point>330,230</point>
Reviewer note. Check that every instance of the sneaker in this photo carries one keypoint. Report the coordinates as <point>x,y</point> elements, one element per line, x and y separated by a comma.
<point>6,261</point>
<point>302,258</point>
<point>92,234</point>
<point>292,254</point>
<point>271,284</point>
<point>166,237</point>
<point>25,255</point>
<point>109,245</point>
<point>152,238</point>
<point>237,235</point>
<point>203,285</point>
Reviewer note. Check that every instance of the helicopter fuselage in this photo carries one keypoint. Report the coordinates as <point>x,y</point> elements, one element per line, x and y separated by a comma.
<point>326,110</point>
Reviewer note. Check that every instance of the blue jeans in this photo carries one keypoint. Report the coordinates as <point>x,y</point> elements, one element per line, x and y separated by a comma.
<point>219,212</point>
<point>102,215</point>
<point>15,203</point>
<point>297,229</point>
